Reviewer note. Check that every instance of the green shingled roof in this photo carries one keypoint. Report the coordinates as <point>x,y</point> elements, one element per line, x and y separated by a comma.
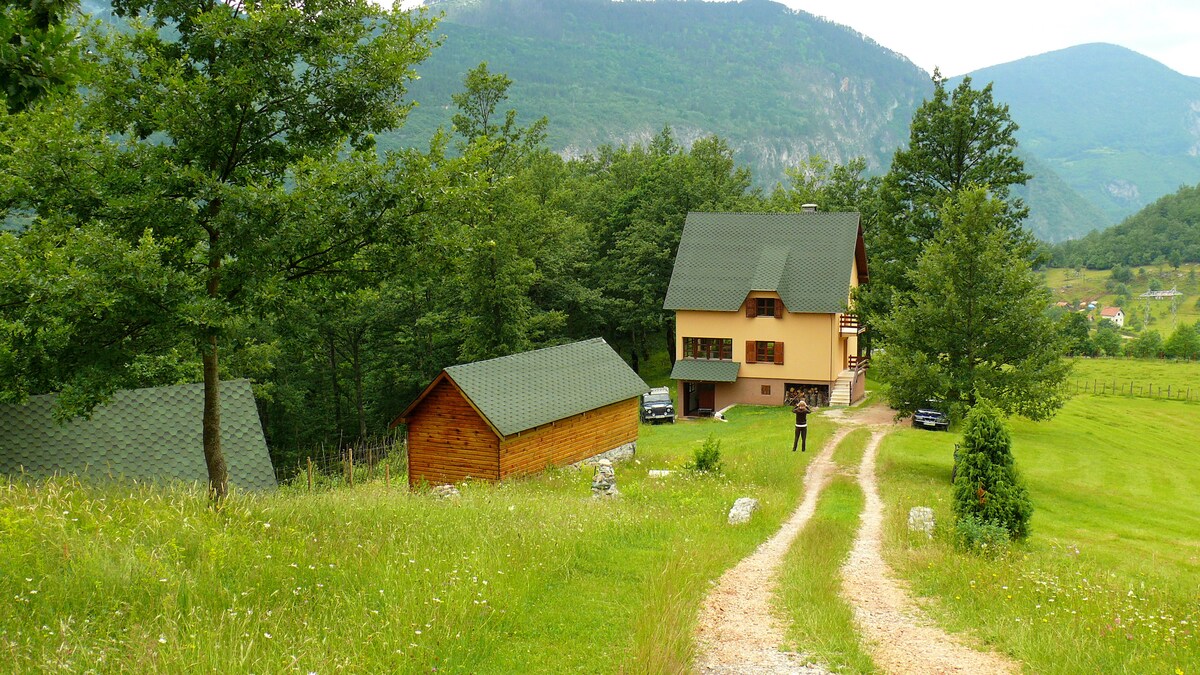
<point>702,370</point>
<point>526,390</point>
<point>805,257</point>
<point>142,434</point>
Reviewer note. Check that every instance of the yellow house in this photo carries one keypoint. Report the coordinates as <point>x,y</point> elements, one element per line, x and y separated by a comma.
<point>761,309</point>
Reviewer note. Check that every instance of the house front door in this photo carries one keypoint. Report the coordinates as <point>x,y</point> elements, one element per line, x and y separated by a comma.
<point>699,398</point>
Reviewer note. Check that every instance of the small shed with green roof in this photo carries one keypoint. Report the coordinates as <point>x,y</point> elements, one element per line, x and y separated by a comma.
<point>522,413</point>
<point>152,435</point>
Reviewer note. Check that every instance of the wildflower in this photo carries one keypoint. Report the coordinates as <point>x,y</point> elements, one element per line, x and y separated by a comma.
<point>162,639</point>
<point>267,635</point>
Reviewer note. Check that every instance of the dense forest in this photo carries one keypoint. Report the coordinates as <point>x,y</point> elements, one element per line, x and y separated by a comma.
<point>1167,231</point>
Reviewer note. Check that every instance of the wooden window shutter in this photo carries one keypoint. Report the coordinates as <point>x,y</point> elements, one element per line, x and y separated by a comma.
<point>779,353</point>
<point>750,308</point>
<point>751,351</point>
<point>779,309</point>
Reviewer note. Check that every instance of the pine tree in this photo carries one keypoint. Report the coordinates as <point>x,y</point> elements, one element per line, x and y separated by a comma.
<point>987,486</point>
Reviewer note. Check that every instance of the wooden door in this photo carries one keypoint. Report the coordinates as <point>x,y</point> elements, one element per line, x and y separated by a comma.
<point>708,397</point>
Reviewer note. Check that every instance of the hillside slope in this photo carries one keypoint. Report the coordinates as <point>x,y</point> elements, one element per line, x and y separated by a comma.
<point>778,85</point>
<point>1166,231</point>
<point>1120,128</point>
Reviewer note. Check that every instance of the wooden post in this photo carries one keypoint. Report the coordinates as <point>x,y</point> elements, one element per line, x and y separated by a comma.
<point>310,474</point>
<point>387,475</point>
<point>351,461</point>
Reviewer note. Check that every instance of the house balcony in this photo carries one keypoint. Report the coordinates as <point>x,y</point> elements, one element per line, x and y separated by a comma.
<point>858,362</point>
<point>850,325</point>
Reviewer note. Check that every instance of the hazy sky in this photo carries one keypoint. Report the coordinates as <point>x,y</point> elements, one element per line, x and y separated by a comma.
<point>964,35</point>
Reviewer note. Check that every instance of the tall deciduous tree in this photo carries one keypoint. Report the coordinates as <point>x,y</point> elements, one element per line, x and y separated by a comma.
<point>974,323</point>
<point>226,137</point>
<point>635,205</point>
<point>832,187</point>
<point>506,235</point>
<point>40,51</point>
<point>958,139</point>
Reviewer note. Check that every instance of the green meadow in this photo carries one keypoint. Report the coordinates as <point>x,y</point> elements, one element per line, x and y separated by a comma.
<point>1109,580</point>
<point>535,575</point>
<point>532,575</point>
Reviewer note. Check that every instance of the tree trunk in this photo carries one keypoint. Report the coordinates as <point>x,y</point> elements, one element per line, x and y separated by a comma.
<point>356,359</point>
<point>633,352</point>
<point>336,390</point>
<point>670,335</point>
<point>214,457</point>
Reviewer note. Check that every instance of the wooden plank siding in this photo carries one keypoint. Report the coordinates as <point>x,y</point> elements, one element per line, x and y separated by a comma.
<point>570,440</point>
<point>449,441</point>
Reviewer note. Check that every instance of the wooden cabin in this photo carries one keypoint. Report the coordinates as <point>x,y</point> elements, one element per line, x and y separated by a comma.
<point>522,413</point>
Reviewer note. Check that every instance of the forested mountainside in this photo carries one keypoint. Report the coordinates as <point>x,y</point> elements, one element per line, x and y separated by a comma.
<point>1118,127</point>
<point>778,85</point>
<point>1104,130</point>
<point>1166,231</point>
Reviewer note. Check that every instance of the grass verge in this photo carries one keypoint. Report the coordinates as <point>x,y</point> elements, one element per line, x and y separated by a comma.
<point>809,594</point>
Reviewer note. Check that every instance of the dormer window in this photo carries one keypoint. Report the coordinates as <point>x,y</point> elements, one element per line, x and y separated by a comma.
<point>764,307</point>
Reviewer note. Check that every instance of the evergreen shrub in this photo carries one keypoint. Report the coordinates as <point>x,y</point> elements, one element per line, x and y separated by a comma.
<point>987,487</point>
<point>707,458</point>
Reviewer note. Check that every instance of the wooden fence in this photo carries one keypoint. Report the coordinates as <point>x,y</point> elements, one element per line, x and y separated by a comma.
<point>1135,388</point>
<point>381,458</point>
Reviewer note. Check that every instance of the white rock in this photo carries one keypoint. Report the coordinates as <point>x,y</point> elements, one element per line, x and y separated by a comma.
<point>446,492</point>
<point>920,519</point>
<point>742,508</point>
<point>659,473</point>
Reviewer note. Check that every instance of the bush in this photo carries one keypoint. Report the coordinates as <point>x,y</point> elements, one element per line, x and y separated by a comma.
<point>982,537</point>
<point>707,458</point>
<point>987,487</point>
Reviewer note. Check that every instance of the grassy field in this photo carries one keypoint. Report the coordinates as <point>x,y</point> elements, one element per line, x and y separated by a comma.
<point>530,576</point>
<point>536,576</point>
<point>1108,581</point>
<point>1141,376</point>
<point>1067,285</point>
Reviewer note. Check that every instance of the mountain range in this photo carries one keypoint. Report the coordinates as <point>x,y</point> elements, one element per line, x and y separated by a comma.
<point>1104,130</point>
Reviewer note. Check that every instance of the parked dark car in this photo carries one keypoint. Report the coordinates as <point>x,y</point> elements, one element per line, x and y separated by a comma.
<point>931,416</point>
<point>657,406</point>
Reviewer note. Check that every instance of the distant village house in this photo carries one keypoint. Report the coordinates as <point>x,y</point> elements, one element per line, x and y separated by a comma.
<point>1113,314</point>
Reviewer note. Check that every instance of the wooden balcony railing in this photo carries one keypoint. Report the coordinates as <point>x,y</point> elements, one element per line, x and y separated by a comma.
<point>859,362</point>
<point>850,325</point>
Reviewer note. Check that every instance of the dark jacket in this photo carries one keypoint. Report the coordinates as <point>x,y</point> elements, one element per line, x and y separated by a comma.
<point>801,411</point>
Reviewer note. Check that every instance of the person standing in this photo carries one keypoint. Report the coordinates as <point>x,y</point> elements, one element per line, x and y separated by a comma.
<point>801,411</point>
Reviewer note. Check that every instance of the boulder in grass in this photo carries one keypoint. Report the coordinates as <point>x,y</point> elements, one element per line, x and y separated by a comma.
<point>604,481</point>
<point>446,492</point>
<point>742,508</point>
<point>920,519</point>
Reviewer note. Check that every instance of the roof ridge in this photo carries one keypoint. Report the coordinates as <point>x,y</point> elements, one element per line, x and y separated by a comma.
<point>539,350</point>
